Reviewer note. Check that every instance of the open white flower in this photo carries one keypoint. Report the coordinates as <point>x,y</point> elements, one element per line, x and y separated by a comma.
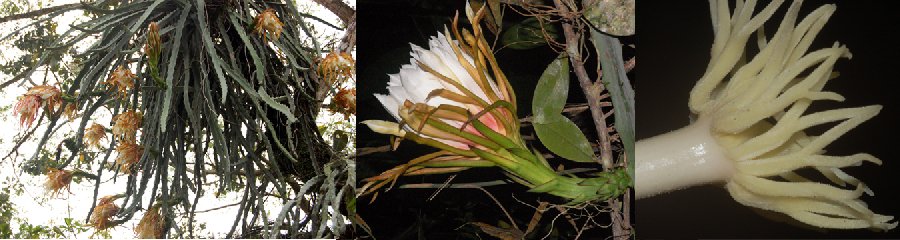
<point>453,96</point>
<point>448,79</point>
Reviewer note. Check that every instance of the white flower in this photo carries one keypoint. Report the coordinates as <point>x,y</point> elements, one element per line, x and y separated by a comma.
<point>453,96</point>
<point>445,77</point>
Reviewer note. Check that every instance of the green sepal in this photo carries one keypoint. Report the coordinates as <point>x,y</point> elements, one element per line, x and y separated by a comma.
<point>460,163</point>
<point>540,159</point>
<point>154,73</point>
<point>498,138</point>
<point>522,153</point>
<point>545,187</point>
<point>440,125</point>
<point>503,162</point>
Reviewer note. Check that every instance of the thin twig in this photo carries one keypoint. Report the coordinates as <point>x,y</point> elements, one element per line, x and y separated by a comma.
<point>370,150</point>
<point>591,90</point>
<point>220,207</point>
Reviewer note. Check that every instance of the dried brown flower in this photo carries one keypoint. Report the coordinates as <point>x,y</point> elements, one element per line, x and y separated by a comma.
<point>151,225</point>
<point>122,79</point>
<point>93,134</point>
<point>127,124</point>
<point>29,103</point>
<point>336,67</point>
<point>57,180</point>
<point>129,154</point>
<point>104,211</point>
<point>267,22</point>
<point>345,102</point>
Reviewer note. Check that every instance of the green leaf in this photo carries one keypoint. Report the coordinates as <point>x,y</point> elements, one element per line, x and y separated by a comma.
<point>622,94</point>
<point>551,91</point>
<point>565,139</point>
<point>556,132</point>
<point>276,105</point>
<point>170,71</point>
<point>528,34</point>
<point>210,47</point>
<point>257,61</point>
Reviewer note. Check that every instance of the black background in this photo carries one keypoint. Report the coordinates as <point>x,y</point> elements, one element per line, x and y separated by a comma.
<point>673,51</point>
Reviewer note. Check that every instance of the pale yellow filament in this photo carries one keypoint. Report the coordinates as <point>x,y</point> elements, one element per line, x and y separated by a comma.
<point>757,111</point>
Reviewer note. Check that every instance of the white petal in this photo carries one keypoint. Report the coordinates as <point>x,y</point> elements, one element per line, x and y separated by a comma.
<point>390,104</point>
<point>418,84</point>
<point>398,93</point>
<point>435,62</point>
<point>394,80</point>
<point>441,47</point>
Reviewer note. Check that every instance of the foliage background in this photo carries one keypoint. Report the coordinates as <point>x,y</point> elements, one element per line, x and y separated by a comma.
<point>41,216</point>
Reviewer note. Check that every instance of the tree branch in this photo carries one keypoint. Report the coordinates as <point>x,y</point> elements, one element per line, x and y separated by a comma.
<point>339,8</point>
<point>347,15</point>
<point>349,40</point>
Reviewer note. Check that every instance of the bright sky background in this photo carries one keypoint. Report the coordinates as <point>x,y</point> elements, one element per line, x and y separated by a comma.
<point>38,209</point>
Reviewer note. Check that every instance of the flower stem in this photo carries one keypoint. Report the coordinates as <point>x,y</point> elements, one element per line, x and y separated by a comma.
<point>537,175</point>
<point>679,159</point>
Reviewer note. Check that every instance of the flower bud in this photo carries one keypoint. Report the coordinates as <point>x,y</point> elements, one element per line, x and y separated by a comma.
<point>152,48</point>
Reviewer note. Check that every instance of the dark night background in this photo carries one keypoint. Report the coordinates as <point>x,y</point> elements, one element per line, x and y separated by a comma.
<point>674,46</point>
<point>386,28</point>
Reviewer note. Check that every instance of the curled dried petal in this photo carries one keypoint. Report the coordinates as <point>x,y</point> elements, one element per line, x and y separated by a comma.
<point>27,108</point>
<point>71,111</point>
